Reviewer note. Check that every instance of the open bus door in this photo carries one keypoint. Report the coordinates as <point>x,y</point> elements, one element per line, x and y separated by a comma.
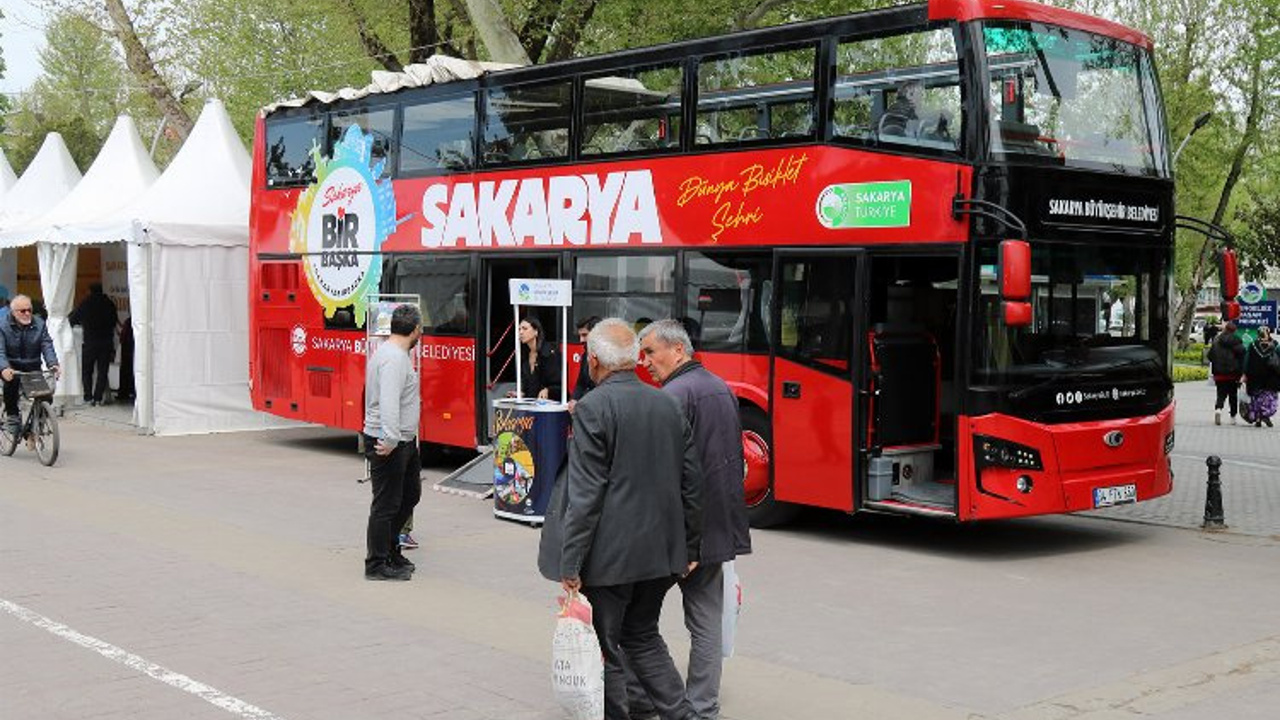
<point>496,335</point>
<point>812,391</point>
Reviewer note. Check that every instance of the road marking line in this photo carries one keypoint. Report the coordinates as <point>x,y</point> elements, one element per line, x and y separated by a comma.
<point>209,694</point>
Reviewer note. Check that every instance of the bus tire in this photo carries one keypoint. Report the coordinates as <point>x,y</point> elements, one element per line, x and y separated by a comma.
<point>763,509</point>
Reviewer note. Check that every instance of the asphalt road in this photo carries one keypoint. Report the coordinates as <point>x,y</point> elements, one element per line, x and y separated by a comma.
<point>221,576</point>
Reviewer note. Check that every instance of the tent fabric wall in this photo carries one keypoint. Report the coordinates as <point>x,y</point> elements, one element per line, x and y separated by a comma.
<point>139,269</point>
<point>58,284</point>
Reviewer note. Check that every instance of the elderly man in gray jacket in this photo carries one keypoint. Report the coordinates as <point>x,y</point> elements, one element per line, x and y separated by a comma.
<point>632,524</point>
<point>712,412</point>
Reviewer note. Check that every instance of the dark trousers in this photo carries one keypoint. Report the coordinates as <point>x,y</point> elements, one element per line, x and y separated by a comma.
<point>397,487</point>
<point>626,622</point>
<point>1227,390</point>
<point>11,397</point>
<point>96,359</point>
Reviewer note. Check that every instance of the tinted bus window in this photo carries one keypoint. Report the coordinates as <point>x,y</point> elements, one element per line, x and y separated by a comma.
<point>751,97</point>
<point>438,135</point>
<point>443,284</point>
<point>636,288</point>
<point>634,110</point>
<point>817,319</point>
<point>527,123</point>
<point>378,123</point>
<point>900,90</point>
<point>727,301</point>
<point>289,144</point>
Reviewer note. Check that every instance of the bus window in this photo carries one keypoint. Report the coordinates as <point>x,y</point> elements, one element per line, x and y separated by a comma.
<point>442,283</point>
<point>378,123</point>
<point>742,98</point>
<point>817,317</point>
<point>437,135</point>
<point>636,288</point>
<point>726,301</point>
<point>289,144</point>
<point>902,90</point>
<point>525,123</point>
<point>632,110</point>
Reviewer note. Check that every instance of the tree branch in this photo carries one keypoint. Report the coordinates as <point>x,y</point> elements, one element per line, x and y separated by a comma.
<point>140,64</point>
<point>372,44</point>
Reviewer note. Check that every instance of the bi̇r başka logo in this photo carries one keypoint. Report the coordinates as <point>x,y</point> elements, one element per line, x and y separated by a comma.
<point>341,222</point>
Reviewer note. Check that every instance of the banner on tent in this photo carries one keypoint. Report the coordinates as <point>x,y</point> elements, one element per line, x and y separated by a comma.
<point>115,276</point>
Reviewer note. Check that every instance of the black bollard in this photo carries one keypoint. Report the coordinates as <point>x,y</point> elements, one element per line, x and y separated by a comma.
<point>1213,519</point>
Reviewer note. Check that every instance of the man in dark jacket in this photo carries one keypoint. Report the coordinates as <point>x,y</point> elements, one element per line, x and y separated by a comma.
<point>24,342</point>
<point>633,518</point>
<point>712,411</point>
<point>97,315</point>
<point>1226,364</point>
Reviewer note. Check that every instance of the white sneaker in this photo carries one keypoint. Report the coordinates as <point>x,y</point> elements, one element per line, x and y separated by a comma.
<point>1217,417</point>
<point>1233,419</point>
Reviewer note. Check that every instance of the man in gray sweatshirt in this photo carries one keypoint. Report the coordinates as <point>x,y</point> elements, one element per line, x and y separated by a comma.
<point>392,407</point>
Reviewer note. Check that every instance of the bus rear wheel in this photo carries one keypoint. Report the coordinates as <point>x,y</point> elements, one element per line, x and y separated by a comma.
<point>763,509</point>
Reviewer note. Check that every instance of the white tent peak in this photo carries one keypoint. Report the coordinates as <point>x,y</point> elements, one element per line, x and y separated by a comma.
<point>120,174</point>
<point>206,185</point>
<point>46,181</point>
<point>7,178</point>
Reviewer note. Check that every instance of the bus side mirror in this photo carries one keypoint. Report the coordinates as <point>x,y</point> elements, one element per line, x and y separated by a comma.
<point>1228,275</point>
<point>1017,313</point>
<point>1230,310</point>
<point>1015,270</point>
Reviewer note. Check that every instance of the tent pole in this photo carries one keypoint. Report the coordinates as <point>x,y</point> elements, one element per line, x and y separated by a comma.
<point>151,339</point>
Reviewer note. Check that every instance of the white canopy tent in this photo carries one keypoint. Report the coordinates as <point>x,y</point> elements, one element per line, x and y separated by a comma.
<point>8,260</point>
<point>119,175</point>
<point>188,258</point>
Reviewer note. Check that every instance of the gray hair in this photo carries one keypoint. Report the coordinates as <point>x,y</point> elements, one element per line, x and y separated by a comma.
<point>614,344</point>
<point>670,332</point>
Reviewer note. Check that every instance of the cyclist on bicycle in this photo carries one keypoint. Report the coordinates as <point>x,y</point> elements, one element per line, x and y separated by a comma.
<point>24,342</point>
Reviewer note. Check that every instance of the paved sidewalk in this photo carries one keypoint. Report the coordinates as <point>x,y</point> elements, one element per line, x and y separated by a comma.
<point>1250,471</point>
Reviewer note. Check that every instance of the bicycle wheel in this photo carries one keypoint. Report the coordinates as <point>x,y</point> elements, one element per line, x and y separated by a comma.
<point>8,436</point>
<point>44,427</point>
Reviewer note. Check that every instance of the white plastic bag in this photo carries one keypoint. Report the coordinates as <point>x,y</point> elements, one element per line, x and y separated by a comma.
<point>732,609</point>
<point>577,666</point>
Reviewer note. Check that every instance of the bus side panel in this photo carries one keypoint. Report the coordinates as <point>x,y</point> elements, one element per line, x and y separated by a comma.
<point>1076,460</point>
<point>448,390</point>
<point>746,375</point>
<point>812,438</point>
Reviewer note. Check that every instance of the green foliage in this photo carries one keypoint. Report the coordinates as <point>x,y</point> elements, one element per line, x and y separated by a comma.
<point>1193,353</point>
<point>1188,373</point>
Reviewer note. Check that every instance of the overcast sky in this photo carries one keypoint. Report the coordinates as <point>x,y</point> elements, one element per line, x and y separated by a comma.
<point>21,37</point>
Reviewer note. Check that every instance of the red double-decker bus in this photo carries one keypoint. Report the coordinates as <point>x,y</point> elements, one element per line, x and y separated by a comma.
<point>929,247</point>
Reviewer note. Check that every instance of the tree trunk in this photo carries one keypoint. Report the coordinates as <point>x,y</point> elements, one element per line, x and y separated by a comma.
<point>496,33</point>
<point>140,64</point>
<point>569,33</point>
<point>1187,304</point>
<point>423,33</point>
<point>371,43</point>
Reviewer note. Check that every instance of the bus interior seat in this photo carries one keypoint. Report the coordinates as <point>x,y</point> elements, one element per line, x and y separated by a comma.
<point>1022,136</point>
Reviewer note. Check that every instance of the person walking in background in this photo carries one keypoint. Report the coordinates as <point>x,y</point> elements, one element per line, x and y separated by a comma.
<point>1211,330</point>
<point>633,519</point>
<point>98,316</point>
<point>128,390</point>
<point>711,409</point>
<point>584,384</point>
<point>391,414</point>
<point>1226,364</point>
<point>1262,378</point>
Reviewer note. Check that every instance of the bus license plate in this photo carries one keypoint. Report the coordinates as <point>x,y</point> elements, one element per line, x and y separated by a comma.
<point>1115,495</point>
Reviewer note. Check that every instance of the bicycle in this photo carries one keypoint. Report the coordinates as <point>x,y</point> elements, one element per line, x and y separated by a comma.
<point>39,427</point>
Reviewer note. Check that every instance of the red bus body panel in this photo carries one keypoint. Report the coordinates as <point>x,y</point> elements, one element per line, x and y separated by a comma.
<point>813,445</point>
<point>968,10</point>
<point>1076,460</point>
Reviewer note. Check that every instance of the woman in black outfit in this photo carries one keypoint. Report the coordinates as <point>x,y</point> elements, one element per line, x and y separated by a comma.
<point>539,366</point>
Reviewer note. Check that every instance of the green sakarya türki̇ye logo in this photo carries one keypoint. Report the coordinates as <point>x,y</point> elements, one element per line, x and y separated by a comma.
<point>865,205</point>
<point>340,223</point>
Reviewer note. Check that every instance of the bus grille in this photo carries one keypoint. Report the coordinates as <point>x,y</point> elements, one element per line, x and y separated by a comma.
<point>320,384</point>
<point>273,359</point>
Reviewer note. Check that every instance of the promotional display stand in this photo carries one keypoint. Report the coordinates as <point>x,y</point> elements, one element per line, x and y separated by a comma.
<point>532,435</point>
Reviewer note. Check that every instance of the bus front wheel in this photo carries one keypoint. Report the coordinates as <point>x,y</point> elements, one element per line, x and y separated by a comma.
<point>763,509</point>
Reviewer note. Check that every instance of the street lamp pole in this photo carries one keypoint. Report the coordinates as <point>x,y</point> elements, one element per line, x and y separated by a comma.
<point>1201,121</point>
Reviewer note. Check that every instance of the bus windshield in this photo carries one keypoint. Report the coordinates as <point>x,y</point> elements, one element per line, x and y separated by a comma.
<point>1073,98</point>
<point>1095,309</point>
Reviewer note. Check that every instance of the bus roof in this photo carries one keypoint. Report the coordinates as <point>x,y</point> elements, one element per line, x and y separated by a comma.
<point>440,69</point>
<point>966,10</point>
